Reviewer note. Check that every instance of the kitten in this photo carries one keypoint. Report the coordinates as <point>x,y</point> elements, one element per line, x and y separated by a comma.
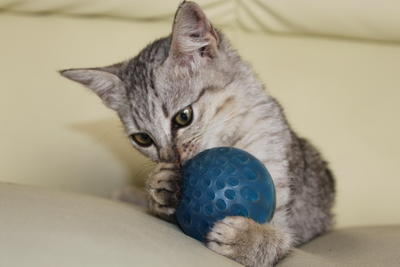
<point>189,92</point>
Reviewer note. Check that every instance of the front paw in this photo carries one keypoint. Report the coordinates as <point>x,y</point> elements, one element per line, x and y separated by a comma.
<point>233,237</point>
<point>248,242</point>
<point>163,187</point>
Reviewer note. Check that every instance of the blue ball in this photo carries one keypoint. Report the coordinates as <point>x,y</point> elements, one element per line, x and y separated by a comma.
<point>220,182</point>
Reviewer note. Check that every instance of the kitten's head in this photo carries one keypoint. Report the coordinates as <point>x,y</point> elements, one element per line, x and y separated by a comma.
<point>172,97</point>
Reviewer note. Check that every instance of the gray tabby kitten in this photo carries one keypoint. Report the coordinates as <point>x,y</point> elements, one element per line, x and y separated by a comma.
<point>191,91</point>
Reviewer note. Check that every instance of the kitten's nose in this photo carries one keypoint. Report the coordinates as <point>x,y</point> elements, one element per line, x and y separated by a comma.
<point>169,154</point>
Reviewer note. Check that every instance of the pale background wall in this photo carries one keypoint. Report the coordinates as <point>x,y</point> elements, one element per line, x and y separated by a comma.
<point>343,94</point>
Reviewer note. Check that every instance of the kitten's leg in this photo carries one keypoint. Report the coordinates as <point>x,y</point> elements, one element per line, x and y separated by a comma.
<point>248,242</point>
<point>163,186</point>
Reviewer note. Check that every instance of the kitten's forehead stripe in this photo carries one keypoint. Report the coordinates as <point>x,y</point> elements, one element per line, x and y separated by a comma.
<point>165,110</point>
<point>153,108</point>
<point>139,77</point>
<point>208,89</point>
<point>201,93</point>
<point>136,111</point>
<point>128,94</point>
<point>152,82</point>
<point>135,122</point>
<point>224,105</point>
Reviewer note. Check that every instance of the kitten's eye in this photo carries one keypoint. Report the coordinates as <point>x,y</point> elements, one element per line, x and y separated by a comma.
<point>184,117</point>
<point>142,139</point>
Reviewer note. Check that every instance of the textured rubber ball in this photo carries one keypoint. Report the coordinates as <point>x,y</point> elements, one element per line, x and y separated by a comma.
<point>220,182</point>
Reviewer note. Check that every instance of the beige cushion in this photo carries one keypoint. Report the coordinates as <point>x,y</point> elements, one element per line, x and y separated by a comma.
<point>156,10</point>
<point>378,20</point>
<point>369,19</point>
<point>356,246</point>
<point>41,228</point>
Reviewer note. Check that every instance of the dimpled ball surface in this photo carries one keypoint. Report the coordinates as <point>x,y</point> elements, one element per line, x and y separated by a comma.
<point>222,182</point>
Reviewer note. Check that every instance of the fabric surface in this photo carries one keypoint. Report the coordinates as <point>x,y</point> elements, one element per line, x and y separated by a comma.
<point>358,246</point>
<point>369,19</point>
<point>341,95</point>
<point>43,228</point>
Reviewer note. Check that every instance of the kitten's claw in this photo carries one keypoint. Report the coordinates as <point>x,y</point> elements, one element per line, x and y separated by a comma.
<point>161,210</point>
<point>163,189</point>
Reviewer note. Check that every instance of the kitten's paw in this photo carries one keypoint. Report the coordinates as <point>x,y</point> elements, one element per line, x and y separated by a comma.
<point>248,242</point>
<point>233,237</point>
<point>163,188</point>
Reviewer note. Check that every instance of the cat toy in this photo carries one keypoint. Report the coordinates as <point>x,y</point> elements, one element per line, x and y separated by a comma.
<point>220,182</point>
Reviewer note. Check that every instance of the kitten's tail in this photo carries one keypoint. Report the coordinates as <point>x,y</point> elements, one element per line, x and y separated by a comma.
<point>132,195</point>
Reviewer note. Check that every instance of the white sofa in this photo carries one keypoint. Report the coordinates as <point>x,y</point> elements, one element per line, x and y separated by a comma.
<point>45,228</point>
<point>334,66</point>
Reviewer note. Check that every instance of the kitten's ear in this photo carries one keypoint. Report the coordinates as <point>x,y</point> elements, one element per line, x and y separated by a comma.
<point>193,37</point>
<point>103,81</point>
